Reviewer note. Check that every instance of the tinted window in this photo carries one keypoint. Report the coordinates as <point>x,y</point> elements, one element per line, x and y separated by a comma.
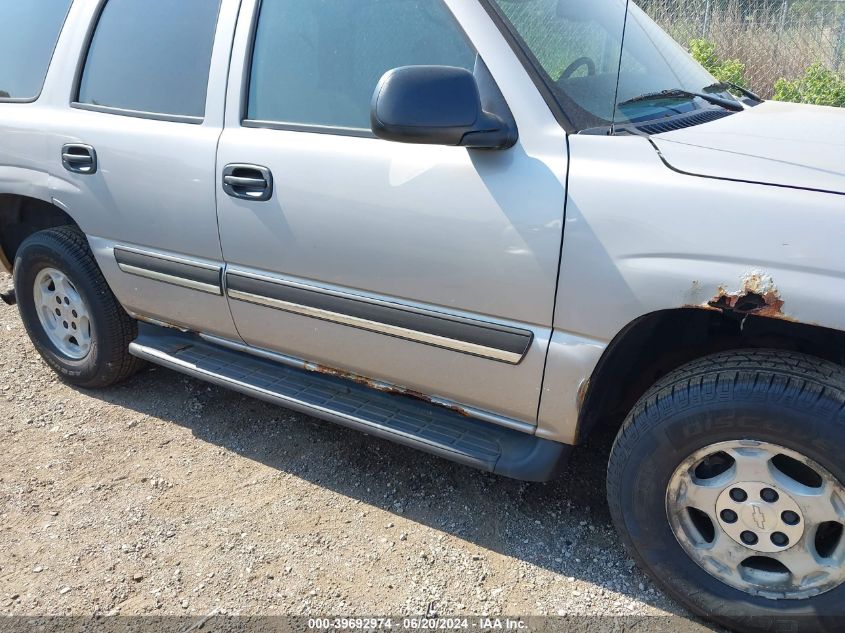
<point>29,30</point>
<point>317,62</point>
<point>151,56</point>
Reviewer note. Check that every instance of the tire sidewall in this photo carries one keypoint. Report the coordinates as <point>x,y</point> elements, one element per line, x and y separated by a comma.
<point>34,255</point>
<point>660,448</point>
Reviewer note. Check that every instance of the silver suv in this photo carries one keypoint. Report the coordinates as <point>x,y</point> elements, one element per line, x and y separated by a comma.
<point>480,228</point>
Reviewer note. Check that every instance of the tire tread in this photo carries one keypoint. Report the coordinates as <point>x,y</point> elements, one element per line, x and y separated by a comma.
<point>790,379</point>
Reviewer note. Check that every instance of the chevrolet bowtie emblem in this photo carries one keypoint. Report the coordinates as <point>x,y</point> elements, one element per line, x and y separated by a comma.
<point>759,517</point>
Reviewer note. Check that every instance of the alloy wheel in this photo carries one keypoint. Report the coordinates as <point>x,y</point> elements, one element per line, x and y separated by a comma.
<point>761,518</point>
<point>63,313</point>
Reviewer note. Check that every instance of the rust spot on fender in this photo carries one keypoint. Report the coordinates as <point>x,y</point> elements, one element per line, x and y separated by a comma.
<point>757,296</point>
<point>385,387</point>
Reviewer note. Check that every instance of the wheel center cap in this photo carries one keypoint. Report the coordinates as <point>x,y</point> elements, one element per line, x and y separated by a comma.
<point>760,516</point>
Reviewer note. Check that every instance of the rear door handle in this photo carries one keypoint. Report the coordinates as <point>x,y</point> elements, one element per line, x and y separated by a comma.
<point>248,182</point>
<point>79,158</point>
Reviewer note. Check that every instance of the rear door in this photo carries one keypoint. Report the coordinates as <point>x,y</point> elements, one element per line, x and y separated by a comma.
<point>432,268</point>
<point>132,141</point>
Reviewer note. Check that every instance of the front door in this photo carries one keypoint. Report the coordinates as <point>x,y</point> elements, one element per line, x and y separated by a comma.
<point>432,268</point>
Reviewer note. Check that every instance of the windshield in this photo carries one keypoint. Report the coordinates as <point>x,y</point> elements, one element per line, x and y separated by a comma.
<point>577,44</point>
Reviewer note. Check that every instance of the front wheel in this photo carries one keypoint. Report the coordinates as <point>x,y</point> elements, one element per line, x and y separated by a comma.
<point>726,485</point>
<point>70,313</point>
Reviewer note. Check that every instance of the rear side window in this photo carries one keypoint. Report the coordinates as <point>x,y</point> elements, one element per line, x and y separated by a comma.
<point>29,30</point>
<point>317,62</point>
<point>151,56</point>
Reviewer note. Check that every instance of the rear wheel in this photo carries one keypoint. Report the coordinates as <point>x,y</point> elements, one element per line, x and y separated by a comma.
<point>69,312</point>
<point>726,485</point>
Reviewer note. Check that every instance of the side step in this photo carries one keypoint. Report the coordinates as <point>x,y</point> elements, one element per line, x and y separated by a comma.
<point>403,419</point>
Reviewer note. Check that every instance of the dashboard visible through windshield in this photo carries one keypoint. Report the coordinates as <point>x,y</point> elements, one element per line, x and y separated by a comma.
<point>600,58</point>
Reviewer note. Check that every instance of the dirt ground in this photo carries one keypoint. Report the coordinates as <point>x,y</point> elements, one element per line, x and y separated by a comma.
<point>166,495</point>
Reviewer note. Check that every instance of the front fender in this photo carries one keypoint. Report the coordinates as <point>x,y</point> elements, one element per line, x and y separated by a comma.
<point>640,238</point>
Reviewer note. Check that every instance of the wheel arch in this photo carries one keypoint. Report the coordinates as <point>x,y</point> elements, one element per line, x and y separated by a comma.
<point>654,344</point>
<point>20,217</point>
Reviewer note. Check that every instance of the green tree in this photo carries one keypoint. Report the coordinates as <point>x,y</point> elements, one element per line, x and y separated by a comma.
<point>728,70</point>
<point>819,86</point>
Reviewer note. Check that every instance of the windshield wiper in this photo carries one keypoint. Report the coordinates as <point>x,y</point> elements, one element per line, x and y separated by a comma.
<point>680,93</point>
<point>726,85</point>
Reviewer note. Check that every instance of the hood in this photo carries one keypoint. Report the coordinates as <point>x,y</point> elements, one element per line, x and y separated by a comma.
<point>783,144</point>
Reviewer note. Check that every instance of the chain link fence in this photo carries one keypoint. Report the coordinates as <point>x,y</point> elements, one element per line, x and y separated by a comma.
<point>772,39</point>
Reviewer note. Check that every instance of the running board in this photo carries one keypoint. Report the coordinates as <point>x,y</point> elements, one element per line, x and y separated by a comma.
<point>402,419</point>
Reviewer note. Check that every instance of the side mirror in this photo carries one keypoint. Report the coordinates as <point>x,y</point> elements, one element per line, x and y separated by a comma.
<point>436,105</point>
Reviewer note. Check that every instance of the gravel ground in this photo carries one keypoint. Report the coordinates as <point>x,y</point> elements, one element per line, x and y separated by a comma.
<point>169,496</point>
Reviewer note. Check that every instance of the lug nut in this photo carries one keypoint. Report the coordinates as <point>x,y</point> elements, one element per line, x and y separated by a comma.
<point>728,516</point>
<point>739,495</point>
<point>768,495</point>
<point>790,518</point>
<point>749,538</point>
<point>780,539</point>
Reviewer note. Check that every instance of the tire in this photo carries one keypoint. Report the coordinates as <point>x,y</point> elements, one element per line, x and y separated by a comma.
<point>774,398</point>
<point>104,360</point>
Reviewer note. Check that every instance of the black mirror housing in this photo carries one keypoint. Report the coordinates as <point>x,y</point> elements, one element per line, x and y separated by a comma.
<point>436,105</point>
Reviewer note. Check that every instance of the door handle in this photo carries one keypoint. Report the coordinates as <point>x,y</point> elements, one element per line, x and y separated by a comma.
<point>245,183</point>
<point>248,182</point>
<point>79,158</point>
